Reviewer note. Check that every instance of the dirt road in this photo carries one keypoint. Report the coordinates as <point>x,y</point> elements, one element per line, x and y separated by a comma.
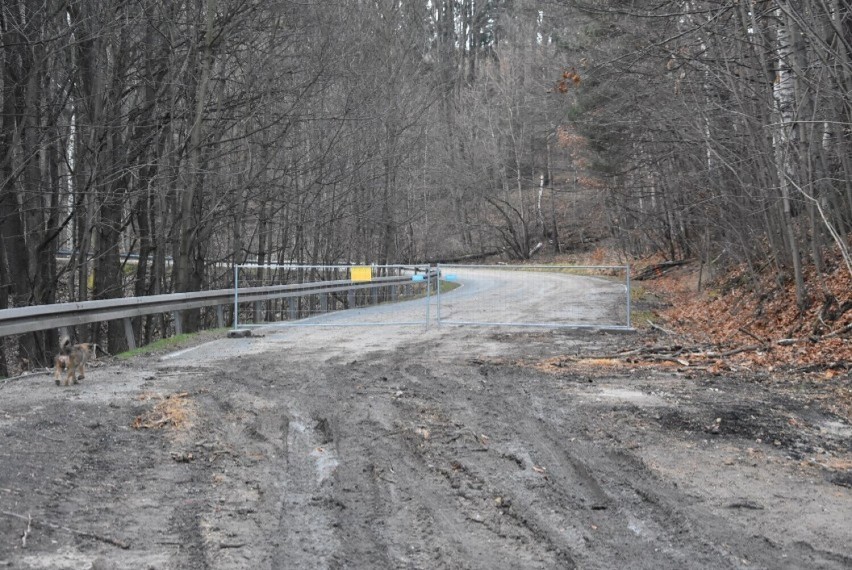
<point>406,447</point>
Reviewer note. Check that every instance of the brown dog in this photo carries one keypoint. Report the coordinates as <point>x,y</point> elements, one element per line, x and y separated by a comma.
<point>72,360</point>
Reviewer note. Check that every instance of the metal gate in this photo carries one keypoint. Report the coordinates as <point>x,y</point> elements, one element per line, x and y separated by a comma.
<point>535,295</point>
<point>332,295</point>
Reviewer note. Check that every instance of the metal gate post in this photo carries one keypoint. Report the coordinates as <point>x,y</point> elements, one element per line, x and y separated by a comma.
<point>438,296</point>
<point>236,296</point>
<point>628,295</point>
<point>428,292</point>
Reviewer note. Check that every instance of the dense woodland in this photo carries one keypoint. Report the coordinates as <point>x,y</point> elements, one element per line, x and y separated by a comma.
<point>147,146</point>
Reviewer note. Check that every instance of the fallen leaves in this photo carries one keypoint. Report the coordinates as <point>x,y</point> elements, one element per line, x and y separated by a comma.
<point>174,411</point>
<point>734,316</point>
<point>738,324</point>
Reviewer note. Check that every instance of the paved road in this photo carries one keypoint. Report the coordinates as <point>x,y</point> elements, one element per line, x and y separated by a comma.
<point>543,297</point>
<point>503,296</point>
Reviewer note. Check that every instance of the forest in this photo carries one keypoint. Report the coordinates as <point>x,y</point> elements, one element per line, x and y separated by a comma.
<point>147,147</point>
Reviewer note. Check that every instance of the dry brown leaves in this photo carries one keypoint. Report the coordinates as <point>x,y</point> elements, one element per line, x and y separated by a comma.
<point>766,315</point>
<point>753,327</point>
<point>173,411</point>
<point>762,326</point>
<point>590,364</point>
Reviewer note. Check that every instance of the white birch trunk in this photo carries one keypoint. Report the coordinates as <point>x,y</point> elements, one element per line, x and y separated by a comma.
<point>784,92</point>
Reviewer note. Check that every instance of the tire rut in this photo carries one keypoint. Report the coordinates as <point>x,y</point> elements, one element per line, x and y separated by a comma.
<point>584,486</point>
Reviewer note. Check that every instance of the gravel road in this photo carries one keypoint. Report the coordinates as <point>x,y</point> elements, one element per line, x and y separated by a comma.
<point>416,447</point>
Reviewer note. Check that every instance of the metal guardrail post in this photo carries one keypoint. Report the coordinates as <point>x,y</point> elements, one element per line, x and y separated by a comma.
<point>128,333</point>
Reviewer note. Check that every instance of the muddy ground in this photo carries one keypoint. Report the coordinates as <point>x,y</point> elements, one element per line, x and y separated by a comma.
<point>419,448</point>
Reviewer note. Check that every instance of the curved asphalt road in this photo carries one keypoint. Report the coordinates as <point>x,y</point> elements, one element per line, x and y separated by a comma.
<point>492,296</point>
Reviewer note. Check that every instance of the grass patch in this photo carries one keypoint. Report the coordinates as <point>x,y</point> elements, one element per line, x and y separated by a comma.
<point>640,301</point>
<point>640,318</point>
<point>165,344</point>
<point>447,286</point>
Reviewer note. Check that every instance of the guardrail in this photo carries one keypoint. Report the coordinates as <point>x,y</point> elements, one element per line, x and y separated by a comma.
<point>349,285</point>
<point>59,315</point>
